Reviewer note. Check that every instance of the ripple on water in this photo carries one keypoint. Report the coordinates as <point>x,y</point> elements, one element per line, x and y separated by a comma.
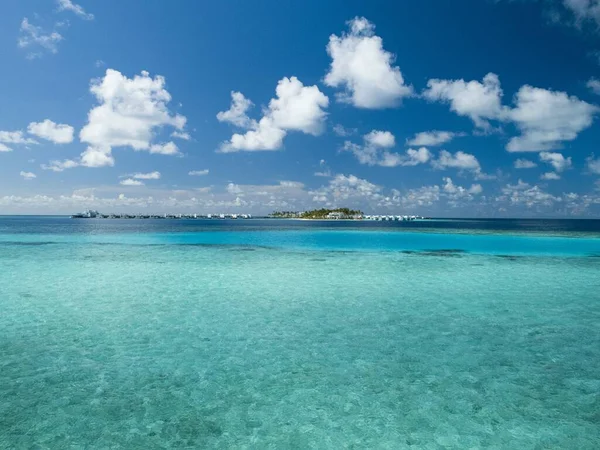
<point>182,346</point>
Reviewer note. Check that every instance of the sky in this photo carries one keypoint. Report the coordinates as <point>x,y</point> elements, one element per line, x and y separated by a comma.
<point>470,108</point>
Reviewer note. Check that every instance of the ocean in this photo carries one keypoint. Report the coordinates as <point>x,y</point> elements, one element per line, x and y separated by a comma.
<point>276,334</point>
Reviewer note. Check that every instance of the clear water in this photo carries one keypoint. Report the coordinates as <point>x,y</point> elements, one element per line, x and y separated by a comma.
<point>138,335</point>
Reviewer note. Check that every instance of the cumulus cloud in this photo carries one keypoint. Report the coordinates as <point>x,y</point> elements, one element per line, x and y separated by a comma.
<point>5,148</point>
<point>556,160</point>
<point>383,139</point>
<point>415,157</point>
<point>524,164</point>
<point>593,165</point>
<point>375,151</point>
<point>459,160</point>
<point>295,108</point>
<point>198,173</point>
<point>59,166</point>
<point>419,197</point>
<point>68,5</point>
<point>325,171</point>
<point>237,112</point>
<point>594,85</point>
<point>432,138</point>
<point>15,137</point>
<point>298,107</point>
<point>28,175</point>
<point>349,189</point>
<point>167,148</point>
<point>131,182</point>
<point>146,176</point>
<point>459,191</point>
<point>181,135</point>
<point>547,118</point>
<point>32,36</point>
<point>480,101</point>
<point>55,132</point>
<point>524,194</point>
<point>550,176</point>
<point>265,136</point>
<point>341,131</point>
<point>364,69</point>
<point>100,156</point>
<point>129,112</point>
<point>584,10</point>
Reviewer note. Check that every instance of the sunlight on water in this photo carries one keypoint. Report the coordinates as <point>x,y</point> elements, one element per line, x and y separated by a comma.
<point>234,345</point>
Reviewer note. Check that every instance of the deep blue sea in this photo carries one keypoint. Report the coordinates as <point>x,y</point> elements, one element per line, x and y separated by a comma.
<point>277,334</point>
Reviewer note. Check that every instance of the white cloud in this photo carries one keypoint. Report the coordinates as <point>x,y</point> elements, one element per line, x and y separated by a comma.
<point>415,157</point>
<point>181,135</point>
<point>524,194</point>
<point>54,132</point>
<point>524,164</point>
<point>594,85</point>
<point>480,101</point>
<point>28,175</point>
<point>99,156</point>
<point>198,173</point>
<point>236,114</point>
<point>298,107</point>
<point>383,139</point>
<point>33,36</point>
<point>59,166</point>
<point>547,118</point>
<point>364,68</point>
<point>343,190</point>
<point>432,138</point>
<point>295,108</point>
<point>265,136</point>
<point>168,148</point>
<point>68,5</point>
<point>146,176</point>
<point>291,184</point>
<point>584,10</point>
<point>233,188</point>
<point>550,176</point>
<point>130,110</point>
<point>556,160</point>
<point>375,151</point>
<point>593,165</point>
<point>325,172</point>
<point>459,160</point>
<point>15,137</point>
<point>344,132</point>
<point>459,191</point>
<point>420,197</point>
<point>131,182</point>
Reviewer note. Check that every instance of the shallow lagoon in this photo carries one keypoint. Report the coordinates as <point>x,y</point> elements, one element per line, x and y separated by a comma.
<point>298,339</point>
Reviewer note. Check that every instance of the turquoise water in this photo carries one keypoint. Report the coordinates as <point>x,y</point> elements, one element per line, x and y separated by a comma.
<point>307,338</point>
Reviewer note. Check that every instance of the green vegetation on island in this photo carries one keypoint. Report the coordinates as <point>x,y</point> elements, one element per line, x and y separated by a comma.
<point>338,213</point>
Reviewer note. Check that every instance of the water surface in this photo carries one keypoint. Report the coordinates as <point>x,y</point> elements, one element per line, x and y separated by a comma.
<point>287,334</point>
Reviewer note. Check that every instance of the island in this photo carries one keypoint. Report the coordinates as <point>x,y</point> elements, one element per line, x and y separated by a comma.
<point>340,214</point>
<point>319,214</point>
<point>315,214</point>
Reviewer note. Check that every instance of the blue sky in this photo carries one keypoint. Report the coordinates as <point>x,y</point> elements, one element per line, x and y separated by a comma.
<point>466,108</point>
